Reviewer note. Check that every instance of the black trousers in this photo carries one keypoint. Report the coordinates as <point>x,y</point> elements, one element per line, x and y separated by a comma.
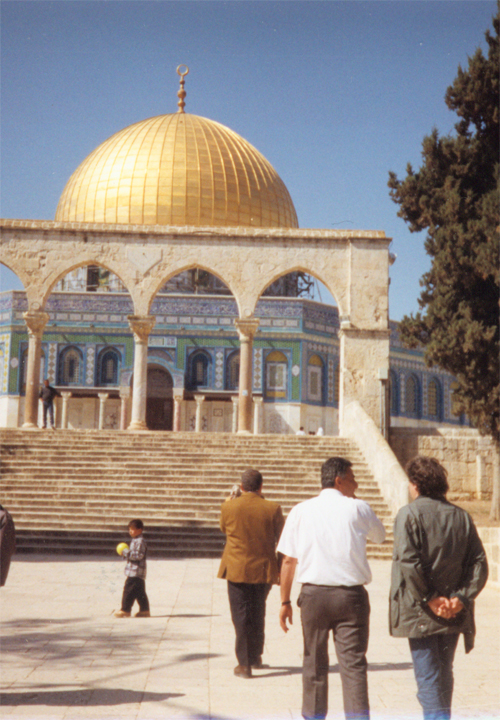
<point>248,612</point>
<point>135,589</point>
<point>346,612</point>
<point>50,408</point>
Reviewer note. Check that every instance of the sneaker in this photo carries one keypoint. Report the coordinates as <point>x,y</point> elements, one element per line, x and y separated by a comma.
<point>122,614</point>
<point>143,613</point>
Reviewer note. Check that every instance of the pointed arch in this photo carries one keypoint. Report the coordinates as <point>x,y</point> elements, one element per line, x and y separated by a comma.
<point>70,370</point>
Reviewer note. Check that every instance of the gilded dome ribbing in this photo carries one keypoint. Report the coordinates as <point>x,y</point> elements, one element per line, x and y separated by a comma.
<point>177,169</point>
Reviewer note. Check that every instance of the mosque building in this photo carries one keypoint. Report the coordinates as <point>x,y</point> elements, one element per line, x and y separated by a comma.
<point>175,291</point>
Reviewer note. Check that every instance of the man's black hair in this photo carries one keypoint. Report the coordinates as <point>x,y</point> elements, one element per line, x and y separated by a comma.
<point>333,468</point>
<point>137,524</point>
<point>251,480</point>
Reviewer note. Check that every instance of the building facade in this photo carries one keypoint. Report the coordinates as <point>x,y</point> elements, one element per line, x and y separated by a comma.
<point>193,361</point>
<point>179,203</point>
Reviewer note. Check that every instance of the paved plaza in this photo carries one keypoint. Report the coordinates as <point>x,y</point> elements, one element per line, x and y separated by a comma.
<point>65,656</point>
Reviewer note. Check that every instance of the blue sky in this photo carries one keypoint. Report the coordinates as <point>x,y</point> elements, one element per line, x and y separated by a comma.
<point>334,93</point>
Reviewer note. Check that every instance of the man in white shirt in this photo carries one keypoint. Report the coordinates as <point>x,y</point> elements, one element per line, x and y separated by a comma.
<point>325,537</point>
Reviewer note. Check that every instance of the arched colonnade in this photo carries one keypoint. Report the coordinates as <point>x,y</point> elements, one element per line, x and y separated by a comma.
<point>353,265</point>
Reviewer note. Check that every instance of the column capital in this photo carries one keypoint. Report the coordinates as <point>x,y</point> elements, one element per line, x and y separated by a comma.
<point>124,391</point>
<point>179,399</point>
<point>199,399</point>
<point>246,328</point>
<point>258,400</point>
<point>141,326</point>
<point>36,321</point>
<point>235,399</point>
<point>66,394</point>
<point>103,396</point>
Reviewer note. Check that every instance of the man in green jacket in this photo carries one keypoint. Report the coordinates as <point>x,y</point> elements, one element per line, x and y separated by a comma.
<point>439,567</point>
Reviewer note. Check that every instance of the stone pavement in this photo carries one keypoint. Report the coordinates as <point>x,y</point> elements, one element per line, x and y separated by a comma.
<point>64,655</point>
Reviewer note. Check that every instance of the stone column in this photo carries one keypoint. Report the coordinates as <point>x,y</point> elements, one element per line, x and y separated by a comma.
<point>234,425</point>
<point>124,397</point>
<point>141,327</point>
<point>102,407</point>
<point>364,360</point>
<point>199,405</point>
<point>65,394</point>
<point>257,415</point>
<point>178,398</point>
<point>35,322</point>
<point>246,331</point>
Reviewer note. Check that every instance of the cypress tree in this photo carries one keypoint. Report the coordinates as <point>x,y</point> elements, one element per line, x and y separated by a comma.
<point>454,196</point>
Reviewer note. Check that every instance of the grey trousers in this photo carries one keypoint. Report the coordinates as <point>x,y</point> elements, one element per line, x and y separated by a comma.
<point>345,611</point>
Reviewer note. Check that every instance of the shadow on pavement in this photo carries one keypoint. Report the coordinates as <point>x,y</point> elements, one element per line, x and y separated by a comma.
<point>93,697</point>
<point>372,667</point>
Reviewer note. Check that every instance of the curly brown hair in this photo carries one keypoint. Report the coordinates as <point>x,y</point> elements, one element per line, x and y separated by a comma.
<point>429,477</point>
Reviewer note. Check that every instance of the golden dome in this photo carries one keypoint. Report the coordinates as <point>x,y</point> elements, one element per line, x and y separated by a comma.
<point>177,169</point>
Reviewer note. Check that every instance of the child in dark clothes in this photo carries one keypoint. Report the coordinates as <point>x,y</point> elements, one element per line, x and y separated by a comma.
<point>135,570</point>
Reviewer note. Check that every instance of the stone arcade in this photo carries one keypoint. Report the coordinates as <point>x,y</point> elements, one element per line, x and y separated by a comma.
<point>161,199</point>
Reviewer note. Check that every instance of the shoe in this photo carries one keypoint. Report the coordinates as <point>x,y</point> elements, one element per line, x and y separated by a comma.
<point>122,614</point>
<point>143,613</point>
<point>257,664</point>
<point>53,427</point>
<point>243,671</point>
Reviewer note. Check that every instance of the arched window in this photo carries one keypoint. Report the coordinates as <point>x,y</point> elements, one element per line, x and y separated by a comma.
<point>315,378</point>
<point>199,363</point>
<point>108,366</point>
<point>394,392</point>
<point>233,371</point>
<point>70,367</point>
<point>434,399</point>
<point>412,396</point>
<point>276,375</point>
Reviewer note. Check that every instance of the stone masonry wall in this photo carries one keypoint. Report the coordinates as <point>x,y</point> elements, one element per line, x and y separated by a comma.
<point>490,537</point>
<point>463,452</point>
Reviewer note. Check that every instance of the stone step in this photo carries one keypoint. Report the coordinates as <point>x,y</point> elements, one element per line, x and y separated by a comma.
<point>310,466</point>
<point>179,495</point>
<point>29,517</point>
<point>159,489</point>
<point>61,486</point>
<point>195,441</point>
<point>124,509</point>
<point>136,459</point>
<point>174,542</point>
<point>185,479</point>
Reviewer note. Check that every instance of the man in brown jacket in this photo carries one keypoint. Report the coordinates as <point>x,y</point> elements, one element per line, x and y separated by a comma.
<point>252,526</point>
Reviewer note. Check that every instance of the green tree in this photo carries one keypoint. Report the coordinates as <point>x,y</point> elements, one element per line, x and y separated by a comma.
<point>455,197</point>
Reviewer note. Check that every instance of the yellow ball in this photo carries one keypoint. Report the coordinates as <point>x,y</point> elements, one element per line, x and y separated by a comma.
<point>121,547</point>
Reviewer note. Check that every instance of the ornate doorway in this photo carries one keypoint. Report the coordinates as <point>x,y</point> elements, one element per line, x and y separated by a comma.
<point>159,403</point>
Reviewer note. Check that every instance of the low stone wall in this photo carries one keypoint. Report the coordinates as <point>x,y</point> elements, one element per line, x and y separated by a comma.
<point>466,455</point>
<point>490,537</point>
<point>388,474</point>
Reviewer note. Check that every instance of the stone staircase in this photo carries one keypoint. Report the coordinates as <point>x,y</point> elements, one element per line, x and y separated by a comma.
<point>74,491</point>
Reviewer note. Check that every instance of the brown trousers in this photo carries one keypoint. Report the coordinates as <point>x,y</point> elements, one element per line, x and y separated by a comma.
<point>346,612</point>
